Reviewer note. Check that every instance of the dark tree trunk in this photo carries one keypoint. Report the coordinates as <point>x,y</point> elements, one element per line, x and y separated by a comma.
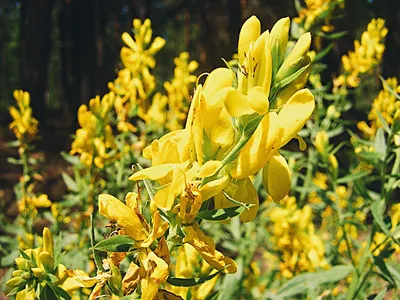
<point>81,52</point>
<point>35,52</point>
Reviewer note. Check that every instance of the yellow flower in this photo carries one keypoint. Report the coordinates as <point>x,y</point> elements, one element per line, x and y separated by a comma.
<point>310,15</point>
<point>34,271</point>
<point>366,56</point>
<point>388,106</point>
<point>24,125</point>
<point>94,141</point>
<point>206,247</point>
<point>128,217</point>
<point>294,240</point>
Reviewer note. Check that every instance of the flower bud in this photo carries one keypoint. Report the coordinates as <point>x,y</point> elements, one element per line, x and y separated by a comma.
<point>38,272</point>
<point>46,261</point>
<point>250,31</point>
<point>296,59</point>
<point>321,141</point>
<point>278,39</point>
<point>48,244</point>
<point>277,178</point>
<point>15,282</point>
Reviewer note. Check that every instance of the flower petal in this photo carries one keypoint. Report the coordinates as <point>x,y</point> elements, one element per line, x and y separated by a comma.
<point>206,247</point>
<point>277,178</point>
<point>115,210</point>
<point>250,32</point>
<point>237,104</point>
<point>295,113</point>
<point>258,100</point>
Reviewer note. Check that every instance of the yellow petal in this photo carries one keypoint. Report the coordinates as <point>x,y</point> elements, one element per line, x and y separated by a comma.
<point>261,146</point>
<point>278,39</point>
<point>222,134</point>
<point>250,32</point>
<point>237,104</point>
<point>115,210</point>
<point>209,168</point>
<point>216,81</point>
<point>277,178</point>
<point>214,187</point>
<point>206,247</point>
<point>295,113</point>
<point>157,172</point>
<point>258,100</point>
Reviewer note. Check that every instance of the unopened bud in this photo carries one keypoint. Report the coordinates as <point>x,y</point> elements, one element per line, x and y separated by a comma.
<point>279,38</point>
<point>48,244</point>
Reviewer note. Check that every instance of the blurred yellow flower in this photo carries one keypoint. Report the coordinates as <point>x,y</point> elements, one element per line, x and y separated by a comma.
<point>24,125</point>
<point>366,56</point>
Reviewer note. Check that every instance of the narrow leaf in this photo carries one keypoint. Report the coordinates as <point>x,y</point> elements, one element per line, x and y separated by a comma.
<point>117,243</point>
<point>187,282</point>
<point>221,214</point>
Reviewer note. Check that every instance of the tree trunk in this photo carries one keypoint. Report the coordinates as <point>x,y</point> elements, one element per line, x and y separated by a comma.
<point>35,52</point>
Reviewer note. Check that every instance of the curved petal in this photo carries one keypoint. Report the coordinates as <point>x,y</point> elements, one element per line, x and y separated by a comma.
<point>295,113</point>
<point>206,247</point>
<point>258,100</point>
<point>250,31</point>
<point>115,210</point>
<point>261,146</point>
<point>277,178</point>
<point>237,104</point>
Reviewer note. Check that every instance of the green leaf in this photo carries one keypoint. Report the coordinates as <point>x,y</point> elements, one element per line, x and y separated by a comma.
<point>70,183</point>
<point>72,159</point>
<point>378,210</point>
<point>353,177</point>
<point>187,282</point>
<point>14,161</point>
<point>60,292</point>
<point>221,214</point>
<point>304,282</point>
<point>117,243</point>
<point>245,205</point>
<point>47,293</point>
<point>380,143</point>
<point>96,256</point>
<point>380,295</point>
<point>331,36</point>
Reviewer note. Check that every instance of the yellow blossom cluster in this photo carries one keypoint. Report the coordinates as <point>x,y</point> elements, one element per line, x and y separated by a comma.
<point>37,270</point>
<point>235,126</point>
<point>170,111</point>
<point>387,103</point>
<point>24,125</point>
<point>294,239</point>
<point>95,141</point>
<point>380,241</point>
<point>135,84</point>
<point>178,91</point>
<point>315,11</point>
<point>366,56</point>
<point>189,264</point>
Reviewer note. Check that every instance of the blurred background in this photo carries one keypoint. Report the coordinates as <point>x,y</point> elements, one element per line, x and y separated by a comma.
<point>64,52</point>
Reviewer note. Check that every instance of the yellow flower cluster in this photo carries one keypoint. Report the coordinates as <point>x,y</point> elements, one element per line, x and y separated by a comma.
<point>189,264</point>
<point>235,126</point>
<point>366,56</point>
<point>381,241</point>
<point>294,239</point>
<point>135,83</point>
<point>37,268</point>
<point>94,141</point>
<point>178,91</point>
<point>387,104</point>
<point>170,111</point>
<point>24,124</point>
<point>316,10</point>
